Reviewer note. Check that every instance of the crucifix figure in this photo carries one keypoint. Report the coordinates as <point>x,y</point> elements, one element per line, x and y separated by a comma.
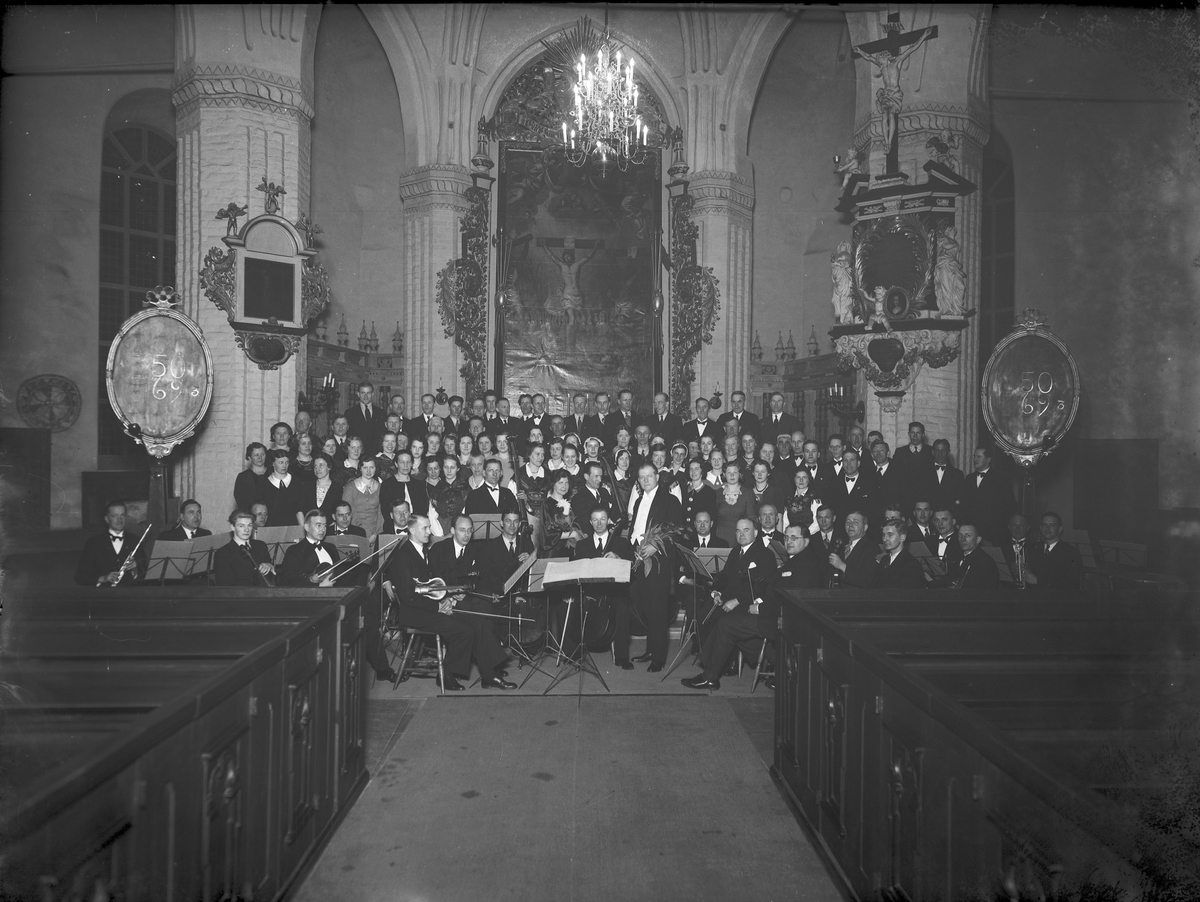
<point>889,56</point>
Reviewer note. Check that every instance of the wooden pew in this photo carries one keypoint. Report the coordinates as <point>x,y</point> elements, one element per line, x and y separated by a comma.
<point>178,742</point>
<point>944,746</point>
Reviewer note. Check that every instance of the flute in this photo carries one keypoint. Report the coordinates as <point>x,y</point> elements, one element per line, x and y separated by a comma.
<point>129,563</point>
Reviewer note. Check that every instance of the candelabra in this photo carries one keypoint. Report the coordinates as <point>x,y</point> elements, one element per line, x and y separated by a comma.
<point>840,399</point>
<point>606,125</point>
<point>326,398</point>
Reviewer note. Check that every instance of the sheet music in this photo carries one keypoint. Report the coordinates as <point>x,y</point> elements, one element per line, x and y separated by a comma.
<point>360,544</point>
<point>526,565</point>
<point>997,555</point>
<point>929,561</point>
<point>588,570</point>
<point>203,548</point>
<point>175,558</point>
<point>714,559</point>
<point>538,573</point>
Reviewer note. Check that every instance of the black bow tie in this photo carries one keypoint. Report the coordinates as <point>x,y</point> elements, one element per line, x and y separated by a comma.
<point>940,466</point>
<point>116,538</point>
<point>851,478</point>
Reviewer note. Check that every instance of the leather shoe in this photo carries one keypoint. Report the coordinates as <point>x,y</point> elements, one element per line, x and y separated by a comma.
<point>386,676</point>
<point>625,665</point>
<point>731,670</point>
<point>640,659</point>
<point>699,682</point>
<point>769,682</point>
<point>654,668</point>
<point>450,684</point>
<point>496,682</point>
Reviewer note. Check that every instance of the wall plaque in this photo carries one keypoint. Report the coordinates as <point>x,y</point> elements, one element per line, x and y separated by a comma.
<point>160,374</point>
<point>1030,390</point>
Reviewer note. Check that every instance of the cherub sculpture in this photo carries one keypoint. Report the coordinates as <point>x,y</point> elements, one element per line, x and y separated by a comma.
<point>843,284</point>
<point>879,317</point>
<point>849,166</point>
<point>231,212</point>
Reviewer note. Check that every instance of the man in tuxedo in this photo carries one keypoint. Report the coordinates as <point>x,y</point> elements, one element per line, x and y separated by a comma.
<point>747,423</point>
<point>602,542</point>
<point>768,526</point>
<point>576,421</point>
<point>306,563</point>
<point>499,557</point>
<point>465,637</point>
<point>1019,543</point>
<point>188,527</point>
<point>897,569</point>
<point>702,425</point>
<point>503,423</point>
<point>740,590</point>
<point>624,415</point>
<point>975,569</point>
<point>649,592</point>
<point>944,544</point>
<point>491,497</point>
<point>777,422</point>
<point>665,423</point>
<point>538,417</point>
<point>856,564</point>
<point>418,426</point>
<point>366,420</point>
<point>592,495</point>
<point>105,559</point>
<point>810,460</point>
<point>1055,567</point>
<point>851,490</point>
<point>243,561</point>
<point>947,484</point>
<point>987,497</point>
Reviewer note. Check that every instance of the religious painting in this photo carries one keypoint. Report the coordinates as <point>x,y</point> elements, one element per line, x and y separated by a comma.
<point>579,279</point>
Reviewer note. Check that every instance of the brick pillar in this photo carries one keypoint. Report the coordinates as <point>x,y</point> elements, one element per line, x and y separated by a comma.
<point>434,203</point>
<point>723,208</point>
<point>240,114</point>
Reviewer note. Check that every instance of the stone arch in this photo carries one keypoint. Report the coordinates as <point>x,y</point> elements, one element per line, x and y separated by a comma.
<point>148,106</point>
<point>411,69</point>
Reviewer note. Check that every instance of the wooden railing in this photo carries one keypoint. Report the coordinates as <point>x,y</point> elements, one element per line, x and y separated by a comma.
<point>944,747</point>
<point>192,744</point>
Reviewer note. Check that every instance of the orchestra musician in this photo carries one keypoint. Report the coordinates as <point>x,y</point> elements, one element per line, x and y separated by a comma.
<point>856,563</point>
<point>244,560</point>
<point>896,568</point>
<point>604,543</point>
<point>188,527</point>
<point>106,559</point>
<point>975,569</point>
<point>420,607</point>
<point>307,563</point>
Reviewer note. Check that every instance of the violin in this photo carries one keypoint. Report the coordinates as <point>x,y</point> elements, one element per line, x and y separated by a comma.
<point>437,589</point>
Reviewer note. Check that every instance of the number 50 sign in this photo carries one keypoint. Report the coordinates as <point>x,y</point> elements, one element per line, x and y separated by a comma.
<point>159,374</point>
<point>1030,390</point>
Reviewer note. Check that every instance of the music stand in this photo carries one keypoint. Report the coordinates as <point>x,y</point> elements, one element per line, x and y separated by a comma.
<point>712,560</point>
<point>278,538</point>
<point>1006,574</point>
<point>486,526</point>
<point>537,577</point>
<point>580,573</point>
<point>203,549</point>
<point>929,561</point>
<point>175,557</point>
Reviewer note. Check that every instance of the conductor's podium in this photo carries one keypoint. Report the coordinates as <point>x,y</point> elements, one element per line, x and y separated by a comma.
<point>945,746</point>
<point>176,743</point>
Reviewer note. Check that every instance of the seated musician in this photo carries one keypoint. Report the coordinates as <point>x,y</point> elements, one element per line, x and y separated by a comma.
<point>1054,567</point>
<point>739,590</point>
<point>307,564</point>
<point>695,601</point>
<point>244,560</point>
<point>856,563</point>
<point>897,569</point>
<point>341,525</point>
<point>975,569</point>
<point>188,527</point>
<point>106,560</point>
<point>604,543</point>
<point>456,559</point>
<point>500,556</point>
<point>466,637</point>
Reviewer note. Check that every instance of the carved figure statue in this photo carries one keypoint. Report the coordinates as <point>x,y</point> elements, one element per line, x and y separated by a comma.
<point>569,267</point>
<point>849,166</point>
<point>273,193</point>
<point>231,212</point>
<point>843,285</point>
<point>879,317</point>
<point>889,98</point>
<point>949,281</point>
<point>940,147</point>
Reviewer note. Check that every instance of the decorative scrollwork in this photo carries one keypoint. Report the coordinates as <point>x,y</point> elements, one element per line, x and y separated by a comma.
<point>462,292</point>
<point>907,226</point>
<point>314,289</point>
<point>218,278</point>
<point>695,302</point>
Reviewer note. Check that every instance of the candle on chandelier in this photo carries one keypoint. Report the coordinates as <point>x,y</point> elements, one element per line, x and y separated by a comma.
<point>564,125</point>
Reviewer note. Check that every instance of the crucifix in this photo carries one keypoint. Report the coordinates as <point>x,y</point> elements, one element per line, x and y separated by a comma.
<point>889,55</point>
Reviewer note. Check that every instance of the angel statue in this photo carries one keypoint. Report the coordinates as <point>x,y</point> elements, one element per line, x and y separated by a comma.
<point>849,166</point>
<point>843,285</point>
<point>889,97</point>
<point>949,281</point>
<point>879,317</point>
<point>231,212</point>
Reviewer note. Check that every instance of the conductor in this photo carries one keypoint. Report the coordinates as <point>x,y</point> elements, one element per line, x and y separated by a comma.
<point>421,607</point>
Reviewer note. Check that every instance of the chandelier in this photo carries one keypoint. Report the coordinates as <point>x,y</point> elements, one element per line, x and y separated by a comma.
<point>605,125</point>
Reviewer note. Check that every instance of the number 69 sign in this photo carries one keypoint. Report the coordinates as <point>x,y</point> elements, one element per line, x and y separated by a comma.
<point>160,375</point>
<point>1030,390</point>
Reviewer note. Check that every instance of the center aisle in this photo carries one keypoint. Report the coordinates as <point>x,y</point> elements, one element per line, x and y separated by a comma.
<point>562,798</point>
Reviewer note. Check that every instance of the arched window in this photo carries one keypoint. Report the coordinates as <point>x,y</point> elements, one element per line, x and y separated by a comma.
<point>137,250</point>
<point>997,301</point>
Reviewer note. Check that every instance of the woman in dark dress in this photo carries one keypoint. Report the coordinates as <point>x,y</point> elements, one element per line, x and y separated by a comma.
<point>801,506</point>
<point>281,492</point>
<point>319,491</point>
<point>248,486</point>
<point>560,533</point>
<point>698,495</point>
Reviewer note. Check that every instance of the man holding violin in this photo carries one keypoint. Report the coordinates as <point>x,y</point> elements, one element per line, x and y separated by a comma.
<point>244,560</point>
<point>308,563</point>
<point>428,607</point>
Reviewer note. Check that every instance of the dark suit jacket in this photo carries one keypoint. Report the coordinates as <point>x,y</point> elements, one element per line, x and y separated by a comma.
<point>496,565</point>
<point>666,510</point>
<point>231,566</point>
<point>575,424</point>
<point>670,428</point>
<point>975,571</point>
<point>457,427</point>
<point>391,491</point>
<point>695,429</point>
<point>805,570</point>
<point>616,420</point>
<point>509,426</point>
<point>586,548</point>
<point>862,498</point>
<point>1059,572</point>
<point>889,487</point>
<point>714,541</point>
<point>479,501</point>
<point>306,497</point>
<point>904,572</point>
<point>861,565</point>
<point>747,575</point>
<point>584,502</point>
<point>787,425</point>
<point>915,535</point>
<point>953,553</point>
<point>988,505</point>
<point>947,494</point>
<point>454,570</point>
<point>176,534</point>
<point>98,559</point>
<point>300,562</point>
<point>350,530</point>
<point>403,568</point>
<point>416,427</point>
<point>369,428</point>
<point>748,423</point>
<point>1010,554</point>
